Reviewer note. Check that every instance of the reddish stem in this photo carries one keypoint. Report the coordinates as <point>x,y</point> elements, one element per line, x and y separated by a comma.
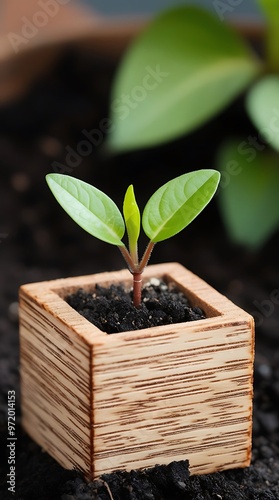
<point>146,256</point>
<point>137,285</point>
<point>137,276</point>
<point>137,270</point>
<point>128,259</point>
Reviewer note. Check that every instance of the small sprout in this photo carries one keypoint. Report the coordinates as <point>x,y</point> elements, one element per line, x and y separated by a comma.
<point>169,210</point>
<point>132,221</point>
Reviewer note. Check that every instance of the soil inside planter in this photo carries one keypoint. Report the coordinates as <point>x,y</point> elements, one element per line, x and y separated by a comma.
<point>112,311</point>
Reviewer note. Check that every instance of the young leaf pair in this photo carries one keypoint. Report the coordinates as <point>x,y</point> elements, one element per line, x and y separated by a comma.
<point>169,210</point>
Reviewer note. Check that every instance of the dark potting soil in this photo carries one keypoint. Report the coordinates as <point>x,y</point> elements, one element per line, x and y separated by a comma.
<point>112,311</point>
<point>39,242</point>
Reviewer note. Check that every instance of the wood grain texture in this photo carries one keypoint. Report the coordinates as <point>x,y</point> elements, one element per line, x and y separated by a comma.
<point>101,402</point>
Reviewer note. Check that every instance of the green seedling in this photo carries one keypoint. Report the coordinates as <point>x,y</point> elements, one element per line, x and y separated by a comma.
<point>169,210</point>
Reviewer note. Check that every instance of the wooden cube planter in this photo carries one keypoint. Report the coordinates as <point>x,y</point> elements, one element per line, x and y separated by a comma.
<point>100,402</point>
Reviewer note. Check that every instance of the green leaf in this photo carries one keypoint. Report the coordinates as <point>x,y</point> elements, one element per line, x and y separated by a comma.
<point>271,10</point>
<point>177,203</point>
<point>248,193</point>
<point>91,209</point>
<point>182,70</point>
<point>132,217</point>
<point>262,104</point>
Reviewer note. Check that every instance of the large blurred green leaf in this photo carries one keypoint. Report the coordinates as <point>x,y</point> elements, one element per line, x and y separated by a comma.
<point>271,10</point>
<point>270,7</point>
<point>262,104</point>
<point>174,205</point>
<point>183,69</point>
<point>89,207</point>
<point>248,192</point>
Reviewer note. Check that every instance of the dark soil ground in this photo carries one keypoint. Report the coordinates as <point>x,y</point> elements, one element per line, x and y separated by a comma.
<point>39,242</point>
<point>112,310</point>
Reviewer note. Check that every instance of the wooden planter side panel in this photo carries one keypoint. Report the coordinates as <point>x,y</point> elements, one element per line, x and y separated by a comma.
<point>55,386</point>
<point>183,394</point>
